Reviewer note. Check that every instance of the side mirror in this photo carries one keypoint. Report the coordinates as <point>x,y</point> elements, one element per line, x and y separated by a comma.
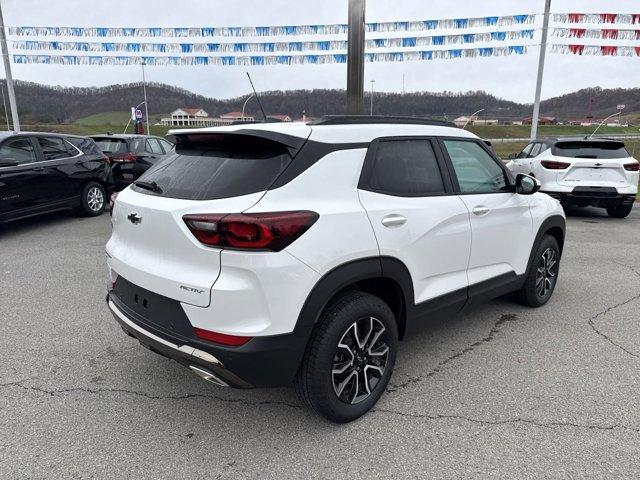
<point>527,185</point>
<point>512,156</point>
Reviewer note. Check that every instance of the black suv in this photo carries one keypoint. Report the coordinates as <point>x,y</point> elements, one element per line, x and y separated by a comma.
<point>131,155</point>
<point>43,172</point>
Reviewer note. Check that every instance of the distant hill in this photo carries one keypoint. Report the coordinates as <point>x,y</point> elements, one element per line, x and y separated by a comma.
<point>45,104</point>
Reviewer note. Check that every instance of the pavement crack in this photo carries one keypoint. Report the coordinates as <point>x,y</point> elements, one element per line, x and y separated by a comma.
<point>592,320</point>
<point>497,327</point>
<point>509,421</point>
<point>100,391</point>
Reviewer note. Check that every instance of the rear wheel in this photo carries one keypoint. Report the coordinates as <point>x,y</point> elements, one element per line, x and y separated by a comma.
<point>619,211</point>
<point>541,280</point>
<point>93,199</point>
<point>350,357</point>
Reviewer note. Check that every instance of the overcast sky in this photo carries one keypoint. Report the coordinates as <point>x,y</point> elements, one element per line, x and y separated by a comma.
<point>511,77</point>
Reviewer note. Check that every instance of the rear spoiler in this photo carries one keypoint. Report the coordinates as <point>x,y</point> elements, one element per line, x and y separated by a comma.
<point>293,143</point>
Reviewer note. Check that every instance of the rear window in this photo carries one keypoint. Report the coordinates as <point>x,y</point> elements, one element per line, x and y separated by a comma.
<point>590,150</point>
<point>111,145</point>
<point>218,166</point>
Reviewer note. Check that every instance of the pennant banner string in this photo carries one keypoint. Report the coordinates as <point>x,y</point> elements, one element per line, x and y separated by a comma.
<point>607,33</point>
<point>290,30</point>
<point>187,48</point>
<point>322,59</point>
<point>597,50</point>
<point>620,18</point>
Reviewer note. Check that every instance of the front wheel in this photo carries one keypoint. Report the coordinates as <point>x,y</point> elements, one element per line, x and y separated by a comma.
<point>541,280</point>
<point>93,200</point>
<point>619,211</point>
<point>350,357</point>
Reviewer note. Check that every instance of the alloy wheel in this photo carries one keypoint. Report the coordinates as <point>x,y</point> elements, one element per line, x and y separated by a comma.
<point>95,199</point>
<point>360,360</point>
<point>547,270</point>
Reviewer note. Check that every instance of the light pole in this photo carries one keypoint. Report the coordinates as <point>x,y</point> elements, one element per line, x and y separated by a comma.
<point>543,53</point>
<point>4,105</point>
<point>371,109</point>
<point>245,104</point>
<point>602,123</point>
<point>471,117</point>
<point>355,57</point>
<point>146,105</point>
<point>7,72</point>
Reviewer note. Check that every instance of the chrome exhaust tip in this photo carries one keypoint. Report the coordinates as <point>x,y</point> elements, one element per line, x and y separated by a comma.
<point>208,376</point>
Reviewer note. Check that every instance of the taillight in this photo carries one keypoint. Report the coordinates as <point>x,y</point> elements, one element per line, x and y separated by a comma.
<point>632,167</point>
<point>554,165</point>
<point>221,338</point>
<point>127,157</point>
<point>251,231</point>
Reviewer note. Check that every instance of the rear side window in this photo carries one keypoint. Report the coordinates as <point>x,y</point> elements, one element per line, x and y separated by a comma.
<point>86,146</point>
<point>54,148</point>
<point>406,168</point>
<point>17,150</point>
<point>153,146</point>
<point>535,151</point>
<point>604,150</point>
<point>111,145</point>
<point>218,166</point>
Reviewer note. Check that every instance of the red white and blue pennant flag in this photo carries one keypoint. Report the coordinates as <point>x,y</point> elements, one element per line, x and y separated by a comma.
<point>601,18</point>
<point>597,50</point>
<point>266,31</point>
<point>604,34</point>
<point>255,60</point>
<point>269,47</point>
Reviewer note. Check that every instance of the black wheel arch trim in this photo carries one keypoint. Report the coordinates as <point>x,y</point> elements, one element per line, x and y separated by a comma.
<point>549,224</point>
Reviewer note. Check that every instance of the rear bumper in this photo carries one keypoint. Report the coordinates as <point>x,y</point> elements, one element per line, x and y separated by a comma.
<point>593,196</point>
<point>262,362</point>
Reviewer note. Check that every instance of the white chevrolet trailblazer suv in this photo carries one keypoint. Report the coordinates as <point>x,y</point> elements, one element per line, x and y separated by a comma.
<point>582,172</point>
<point>265,254</point>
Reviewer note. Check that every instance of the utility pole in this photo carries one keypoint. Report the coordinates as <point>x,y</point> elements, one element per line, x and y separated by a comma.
<point>543,54</point>
<point>8,76</point>
<point>146,105</point>
<point>355,57</point>
<point>371,109</point>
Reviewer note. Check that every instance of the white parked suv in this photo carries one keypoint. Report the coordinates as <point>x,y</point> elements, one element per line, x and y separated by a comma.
<point>582,172</point>
<point>265,254</point>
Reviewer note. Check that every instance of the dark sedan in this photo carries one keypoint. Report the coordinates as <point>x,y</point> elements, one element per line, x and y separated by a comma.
<point>131,155</point>
<point>43,172</point>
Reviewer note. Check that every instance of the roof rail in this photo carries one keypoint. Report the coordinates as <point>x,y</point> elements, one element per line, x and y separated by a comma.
<point>379,119</point>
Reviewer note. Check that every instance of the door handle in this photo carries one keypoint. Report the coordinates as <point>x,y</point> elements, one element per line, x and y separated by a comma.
<point>481,210</point>
<point>38,169</point>
<point>394,220</point>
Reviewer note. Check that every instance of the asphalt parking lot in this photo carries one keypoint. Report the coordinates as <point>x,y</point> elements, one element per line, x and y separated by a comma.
<point>501,392</point>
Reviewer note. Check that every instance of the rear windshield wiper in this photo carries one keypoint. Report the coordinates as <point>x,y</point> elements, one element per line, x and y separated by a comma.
<point>152,186</point>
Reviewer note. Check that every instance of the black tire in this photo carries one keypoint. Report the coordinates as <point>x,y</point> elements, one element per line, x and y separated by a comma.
<point>93,200</point>
<point>316,382</point>
<point>619,211</point>
<point>533,293</point>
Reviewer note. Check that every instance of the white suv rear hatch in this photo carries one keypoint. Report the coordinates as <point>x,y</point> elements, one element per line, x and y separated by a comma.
<point>216,173</point>
<point>592,163</point>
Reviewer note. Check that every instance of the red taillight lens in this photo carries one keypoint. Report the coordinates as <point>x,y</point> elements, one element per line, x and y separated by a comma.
<point>554,165</point>
<point>632,167</point>
<point>221,338</point>
<point>127,157</point>
<point>252,231</point>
